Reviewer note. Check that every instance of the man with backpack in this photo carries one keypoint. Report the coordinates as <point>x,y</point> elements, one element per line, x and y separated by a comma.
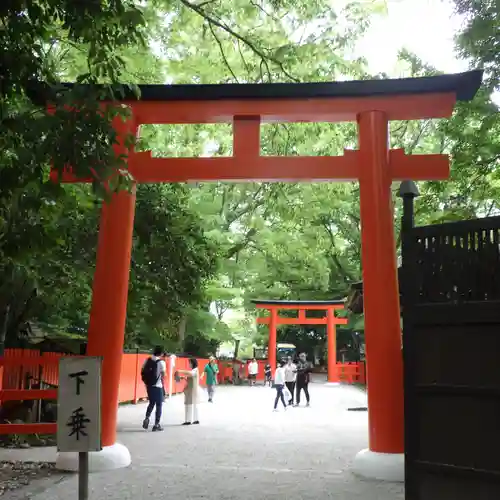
<point>152,373</point>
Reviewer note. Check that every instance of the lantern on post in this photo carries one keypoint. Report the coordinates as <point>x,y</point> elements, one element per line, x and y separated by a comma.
<point>408,190</point>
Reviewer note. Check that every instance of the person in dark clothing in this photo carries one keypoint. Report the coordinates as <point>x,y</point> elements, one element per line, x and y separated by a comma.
<point>304,368</point>
<point>268,375</point>
<point>290,378</point>
<point>153,372</point>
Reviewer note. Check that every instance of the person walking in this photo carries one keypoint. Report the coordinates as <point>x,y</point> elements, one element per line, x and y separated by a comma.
<point>191,393</point>
<point>279,384</point>
<point>268,374</point>
<point>152,374</point>
<point>211,370</point>
<point>290,378</point>
<point>304,368</point>
<point>253,370</point>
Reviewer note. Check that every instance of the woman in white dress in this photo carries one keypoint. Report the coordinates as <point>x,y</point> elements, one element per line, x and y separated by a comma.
<point>191,393</point>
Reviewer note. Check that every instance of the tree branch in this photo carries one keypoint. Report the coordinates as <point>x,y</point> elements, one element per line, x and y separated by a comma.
<point>257,6</point>
<point>220,24</point>
<point>492,206</point>
<point>221,48</point>
<point>243,58</point>
<point>202,4</point>
<point>238,247</point>
<point>252,205</point>
<point>416,140</point>
<point>334,257</point>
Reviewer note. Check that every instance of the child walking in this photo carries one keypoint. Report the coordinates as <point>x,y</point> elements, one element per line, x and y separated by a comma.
<point>279,384</point>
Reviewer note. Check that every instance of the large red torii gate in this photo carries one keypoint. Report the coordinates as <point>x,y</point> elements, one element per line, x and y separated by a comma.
<point>372,104</point>
<point>330,320</point>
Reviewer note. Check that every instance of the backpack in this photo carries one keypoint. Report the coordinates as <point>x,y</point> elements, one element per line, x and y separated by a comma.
<point>149,373</point>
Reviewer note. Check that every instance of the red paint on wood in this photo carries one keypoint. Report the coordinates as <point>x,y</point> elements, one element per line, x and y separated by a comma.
<point>27,394</point>
<point>294,307</point>
<point>331,341</point>
<point>249,166</point>
<point>272,339</point>
<point>40,428</point>
<point>381,306</point>
<point>296,321</point>
<point>325,109</point>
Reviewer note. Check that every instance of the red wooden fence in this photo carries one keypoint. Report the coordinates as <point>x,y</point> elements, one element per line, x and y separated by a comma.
<point>23,369</point>
<point>352,373</point>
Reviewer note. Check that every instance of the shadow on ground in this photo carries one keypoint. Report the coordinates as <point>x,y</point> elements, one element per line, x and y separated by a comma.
<point>242,450</point>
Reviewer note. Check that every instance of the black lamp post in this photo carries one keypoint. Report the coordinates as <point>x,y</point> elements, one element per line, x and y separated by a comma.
<point>408,190</point>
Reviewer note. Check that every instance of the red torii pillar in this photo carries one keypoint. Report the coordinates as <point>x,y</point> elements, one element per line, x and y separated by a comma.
<point>109,311</point>
<point>384,459</point>
<point>330,320</point>
<point>372,104</point>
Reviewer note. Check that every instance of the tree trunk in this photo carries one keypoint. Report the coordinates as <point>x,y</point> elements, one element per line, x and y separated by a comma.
<point>236,348</point>
<point>3,329</point>
<point>181,331</point>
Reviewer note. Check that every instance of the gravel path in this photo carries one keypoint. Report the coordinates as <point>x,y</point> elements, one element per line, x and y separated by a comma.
<point>242,450</point>
<point>15,475</point>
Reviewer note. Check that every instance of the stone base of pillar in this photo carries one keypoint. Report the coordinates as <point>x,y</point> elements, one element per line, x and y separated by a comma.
<point>111,457</point>
<point>381,466</point>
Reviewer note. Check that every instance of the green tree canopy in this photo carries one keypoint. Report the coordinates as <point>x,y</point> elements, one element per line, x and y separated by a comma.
<point>211,247</point>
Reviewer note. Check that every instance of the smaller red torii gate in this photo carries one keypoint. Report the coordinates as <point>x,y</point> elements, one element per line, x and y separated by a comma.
<point>330,320</point>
